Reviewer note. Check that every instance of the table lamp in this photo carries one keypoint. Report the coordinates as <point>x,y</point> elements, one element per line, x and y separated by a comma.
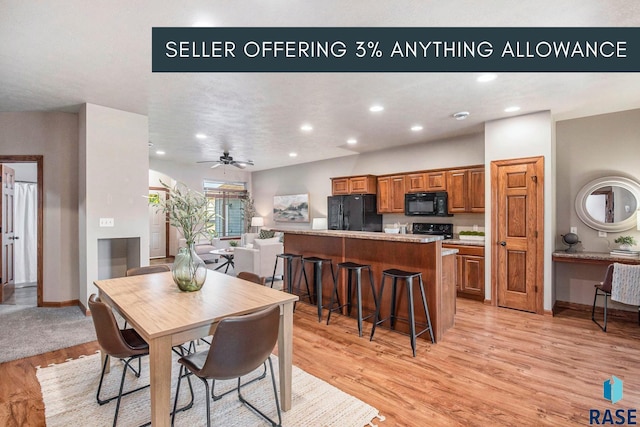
<point>257,222</point>
<point>319,224</point>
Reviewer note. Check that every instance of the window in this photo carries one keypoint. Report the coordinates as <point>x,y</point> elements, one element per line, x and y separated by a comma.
<point>226,201</point>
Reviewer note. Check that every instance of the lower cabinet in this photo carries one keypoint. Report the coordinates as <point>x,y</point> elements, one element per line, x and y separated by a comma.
<point>469,271</point>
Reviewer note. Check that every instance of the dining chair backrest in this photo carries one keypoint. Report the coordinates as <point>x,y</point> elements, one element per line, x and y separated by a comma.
<point>251,277</point>
<point>242,343</point>
<point>107,331</point>
<point>608,278</point>
<point>149,269</point>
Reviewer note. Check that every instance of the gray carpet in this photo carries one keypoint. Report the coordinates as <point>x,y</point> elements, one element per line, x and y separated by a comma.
<point>27,331</point>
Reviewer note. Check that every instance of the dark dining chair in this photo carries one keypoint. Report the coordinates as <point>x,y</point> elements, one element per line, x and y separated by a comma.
<point>148,269</point>
<point>123,344</point>
<point>251,277</point>
<point>240,344</point>
<point>604,289</point>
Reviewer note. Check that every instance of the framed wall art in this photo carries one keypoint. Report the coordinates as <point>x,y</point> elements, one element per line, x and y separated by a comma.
<point>293,208</point>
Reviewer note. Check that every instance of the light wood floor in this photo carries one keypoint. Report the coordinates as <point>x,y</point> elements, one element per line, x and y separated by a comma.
<point>495,367</point>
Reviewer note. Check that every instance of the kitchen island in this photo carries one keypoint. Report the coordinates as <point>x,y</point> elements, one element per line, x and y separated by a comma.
<point>383,251</point>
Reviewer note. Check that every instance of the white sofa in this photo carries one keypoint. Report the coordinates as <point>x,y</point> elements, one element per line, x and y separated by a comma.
<point>260,258</point>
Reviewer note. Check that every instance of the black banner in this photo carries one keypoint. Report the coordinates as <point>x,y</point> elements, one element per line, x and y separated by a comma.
<point>395,49</point>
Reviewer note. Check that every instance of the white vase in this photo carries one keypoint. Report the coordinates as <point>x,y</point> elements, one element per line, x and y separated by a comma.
<point>625,247</point>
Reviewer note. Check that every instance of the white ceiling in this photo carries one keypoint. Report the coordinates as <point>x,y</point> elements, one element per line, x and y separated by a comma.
<point>57,55</point>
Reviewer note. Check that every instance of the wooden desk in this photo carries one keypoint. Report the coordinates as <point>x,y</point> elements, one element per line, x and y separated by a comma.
<point>591,258</point>
<point>164,316</point>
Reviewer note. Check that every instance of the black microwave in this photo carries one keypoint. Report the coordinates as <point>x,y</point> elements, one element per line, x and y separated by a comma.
<point>426,204</point>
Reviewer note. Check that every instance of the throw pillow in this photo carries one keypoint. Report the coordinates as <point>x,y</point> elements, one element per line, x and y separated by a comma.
<point>266,234</point>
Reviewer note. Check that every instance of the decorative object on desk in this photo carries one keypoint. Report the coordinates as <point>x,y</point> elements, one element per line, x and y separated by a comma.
<point>233,244</point>
<point>625,242</point>
<point>471,235</point>
<point>570,239</point>
<point>257,222</point>
<point>188,211</point>
<point>294,208</point>
<point>620,253</point>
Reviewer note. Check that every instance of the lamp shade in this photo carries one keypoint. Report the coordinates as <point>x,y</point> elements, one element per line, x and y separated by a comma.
<point>319,224</point>
<point>257,221</point>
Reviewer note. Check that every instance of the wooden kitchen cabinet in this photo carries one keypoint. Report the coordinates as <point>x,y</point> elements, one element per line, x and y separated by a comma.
<point>469,271</point>
<point>465,188</point>
<point>426,181</point>
<point>391,190</point>
<point>365,184</point>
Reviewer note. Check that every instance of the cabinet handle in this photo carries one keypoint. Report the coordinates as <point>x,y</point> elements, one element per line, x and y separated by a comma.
<point>503,243</point>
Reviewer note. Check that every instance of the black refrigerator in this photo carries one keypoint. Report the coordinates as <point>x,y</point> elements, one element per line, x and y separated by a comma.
<point>357,212</point>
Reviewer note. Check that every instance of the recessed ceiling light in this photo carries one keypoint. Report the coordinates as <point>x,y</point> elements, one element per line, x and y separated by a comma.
<point>201,135</point>
<point>461,115</point>
<point>306,128</point>
<point>486,78</point>
<point>512,109</point>
<point>376,108</point>
<point>416,128</point>
<point>160,153</point>
<point>352,141</point>
<point>150,144</point>
<point>293,154</point>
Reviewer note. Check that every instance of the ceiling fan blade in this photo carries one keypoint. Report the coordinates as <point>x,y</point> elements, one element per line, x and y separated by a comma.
<point>208,161</point>
<point>240,165</point>
<point>216,165</point>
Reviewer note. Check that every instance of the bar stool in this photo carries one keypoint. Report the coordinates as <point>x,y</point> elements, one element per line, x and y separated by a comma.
<point>353,267</point>
<point>407,276</point>
<point>288,259</point>
<point>317,281</point>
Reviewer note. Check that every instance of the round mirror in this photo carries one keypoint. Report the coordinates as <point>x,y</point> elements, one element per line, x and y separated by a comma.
<point>609,203</point>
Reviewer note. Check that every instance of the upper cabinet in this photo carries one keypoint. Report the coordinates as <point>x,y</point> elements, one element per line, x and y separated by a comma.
<point>465,188</point>
<point>391,191</point>
<point>426,181</point>
<point>365,184</point>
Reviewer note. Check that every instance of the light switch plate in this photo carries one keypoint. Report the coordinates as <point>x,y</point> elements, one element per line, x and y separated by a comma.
<point>602,234</point>
<point>574,230</point>
<point>106,222</point>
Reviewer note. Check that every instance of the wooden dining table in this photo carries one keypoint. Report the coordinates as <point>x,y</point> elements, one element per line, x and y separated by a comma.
<point>165,316</point>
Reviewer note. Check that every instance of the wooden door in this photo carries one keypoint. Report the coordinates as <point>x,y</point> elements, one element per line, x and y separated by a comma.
<point>436,181</point>
<point>475,198</point>
<point>157,227</point>
<point>517,224</point>
<point>7,180</point>
<point>339,186</point>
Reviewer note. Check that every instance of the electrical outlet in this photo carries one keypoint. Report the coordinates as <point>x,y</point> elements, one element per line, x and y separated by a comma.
<point>574,230</point>
<point>602,234</point>
<point>106,222</point>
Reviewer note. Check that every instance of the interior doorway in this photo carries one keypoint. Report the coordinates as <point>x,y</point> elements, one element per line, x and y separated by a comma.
<point>25,253</point>
<point>158,226</point>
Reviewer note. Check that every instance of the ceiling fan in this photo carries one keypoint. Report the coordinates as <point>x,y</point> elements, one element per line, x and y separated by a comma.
<point>226,159</point>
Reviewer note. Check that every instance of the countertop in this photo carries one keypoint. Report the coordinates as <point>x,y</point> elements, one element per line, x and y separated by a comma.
<point>592,256</point>
<point>463,242</point>
<point>368,235</point>
<point>449,251</point>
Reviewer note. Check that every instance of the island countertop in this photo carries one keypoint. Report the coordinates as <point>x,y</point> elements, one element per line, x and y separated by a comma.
<point>368,235</point>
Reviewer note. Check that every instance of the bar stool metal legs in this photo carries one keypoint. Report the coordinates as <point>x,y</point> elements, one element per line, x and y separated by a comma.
<point>408,277</point>
<point>317,274</point>
<point>353,267</point>
<point>288,280</point>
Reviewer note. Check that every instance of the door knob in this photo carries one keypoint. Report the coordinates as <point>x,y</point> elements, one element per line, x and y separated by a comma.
<point>503,243</point>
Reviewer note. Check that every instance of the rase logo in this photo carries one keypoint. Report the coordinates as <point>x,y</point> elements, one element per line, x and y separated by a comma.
<point>612,391</point>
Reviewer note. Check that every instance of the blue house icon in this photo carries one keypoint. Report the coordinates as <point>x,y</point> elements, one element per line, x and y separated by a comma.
<point>612,389</point>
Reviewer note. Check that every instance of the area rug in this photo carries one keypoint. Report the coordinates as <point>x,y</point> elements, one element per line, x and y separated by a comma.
<point>27,331</point>
<point>68,391</point>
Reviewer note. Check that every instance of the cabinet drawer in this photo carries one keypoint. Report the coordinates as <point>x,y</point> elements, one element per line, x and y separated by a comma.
<point>466,250</point>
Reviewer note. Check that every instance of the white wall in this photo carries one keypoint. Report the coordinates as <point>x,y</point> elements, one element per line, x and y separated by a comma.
<point>518,137</point>
<point>54,136</point>
<point>114,165</point>
<point>314,178</point>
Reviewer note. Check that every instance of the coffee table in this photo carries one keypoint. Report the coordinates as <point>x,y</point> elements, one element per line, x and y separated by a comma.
<point>227,256</point>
